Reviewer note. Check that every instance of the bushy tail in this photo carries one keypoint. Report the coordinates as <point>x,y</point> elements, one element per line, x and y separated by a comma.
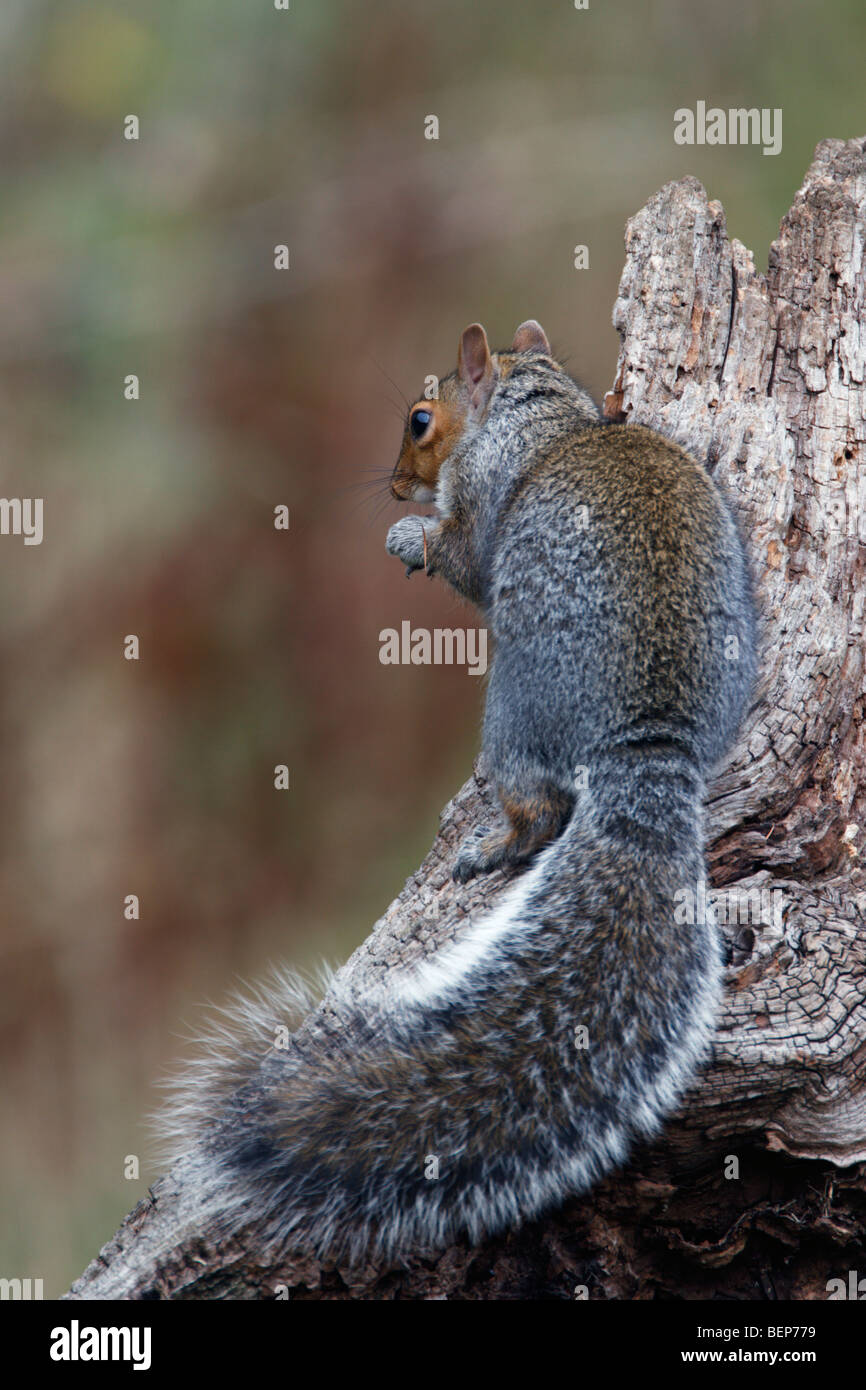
<point>504,1076</point>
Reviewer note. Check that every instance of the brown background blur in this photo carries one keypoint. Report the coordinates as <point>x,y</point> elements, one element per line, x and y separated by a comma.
<point>261,387</point>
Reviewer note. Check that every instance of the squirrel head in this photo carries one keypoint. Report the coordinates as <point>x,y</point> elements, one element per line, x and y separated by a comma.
<point>435,427</point>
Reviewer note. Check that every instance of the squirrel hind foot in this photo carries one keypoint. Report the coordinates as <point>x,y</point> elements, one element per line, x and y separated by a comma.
<point>533,823</point>
<point>472,857</point>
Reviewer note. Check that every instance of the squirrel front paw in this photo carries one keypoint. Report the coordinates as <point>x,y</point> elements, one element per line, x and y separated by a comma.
<point>409,540</point>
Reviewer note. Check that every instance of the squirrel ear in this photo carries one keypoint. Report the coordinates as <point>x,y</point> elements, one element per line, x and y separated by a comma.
<point>530,337</point>
<point>475,365</point>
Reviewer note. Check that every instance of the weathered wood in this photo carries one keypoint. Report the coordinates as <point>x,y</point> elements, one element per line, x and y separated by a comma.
<point>762,376</point>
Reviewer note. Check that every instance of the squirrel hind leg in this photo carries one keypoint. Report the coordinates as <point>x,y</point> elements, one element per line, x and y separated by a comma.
<point>534,819</point>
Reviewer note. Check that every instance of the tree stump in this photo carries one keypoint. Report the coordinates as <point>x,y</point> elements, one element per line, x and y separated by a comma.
<point>762,377</point>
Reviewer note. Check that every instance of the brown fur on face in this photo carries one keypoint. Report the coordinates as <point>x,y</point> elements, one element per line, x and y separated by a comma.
<point>416,471</point>
<point>462,394</point>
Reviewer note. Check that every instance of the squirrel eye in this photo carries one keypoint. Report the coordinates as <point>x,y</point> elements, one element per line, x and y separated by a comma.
<point>418,423</point>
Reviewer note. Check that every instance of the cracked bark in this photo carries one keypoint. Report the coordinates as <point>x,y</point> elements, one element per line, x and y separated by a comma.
<point>763,377</point>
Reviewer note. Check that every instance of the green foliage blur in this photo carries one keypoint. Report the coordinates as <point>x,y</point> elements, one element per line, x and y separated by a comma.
<point>260,387</point>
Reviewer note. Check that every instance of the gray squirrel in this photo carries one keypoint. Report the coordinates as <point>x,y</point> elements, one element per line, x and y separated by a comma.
<point>559,1028</point>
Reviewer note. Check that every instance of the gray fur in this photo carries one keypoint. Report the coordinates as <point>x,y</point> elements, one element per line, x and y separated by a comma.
<point>612,695</point>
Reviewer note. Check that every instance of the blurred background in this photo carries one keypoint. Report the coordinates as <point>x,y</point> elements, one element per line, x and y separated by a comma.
<point>261,387</point>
